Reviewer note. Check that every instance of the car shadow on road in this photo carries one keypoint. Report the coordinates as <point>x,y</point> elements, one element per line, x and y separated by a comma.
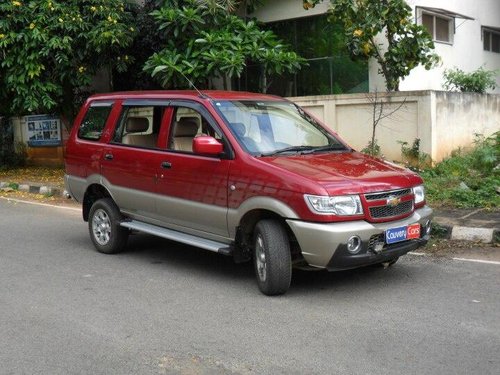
<point>186,259</point>
<point>182,257</point>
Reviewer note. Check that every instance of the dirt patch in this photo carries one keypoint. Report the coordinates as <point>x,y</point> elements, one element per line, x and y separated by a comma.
<point>451,249</point>
<point>38,175</point>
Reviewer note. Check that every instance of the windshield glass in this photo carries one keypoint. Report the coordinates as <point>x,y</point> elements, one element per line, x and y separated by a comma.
<point>270,128</point>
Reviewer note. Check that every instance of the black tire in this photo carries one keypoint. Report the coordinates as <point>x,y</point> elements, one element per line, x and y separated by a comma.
<point>272,258</point>
<point>104,227</point>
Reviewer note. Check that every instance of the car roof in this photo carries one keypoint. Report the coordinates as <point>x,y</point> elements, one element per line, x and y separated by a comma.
<point>186,94</point>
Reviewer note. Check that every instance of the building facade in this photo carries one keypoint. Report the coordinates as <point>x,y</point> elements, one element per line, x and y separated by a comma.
<point>466,35</point>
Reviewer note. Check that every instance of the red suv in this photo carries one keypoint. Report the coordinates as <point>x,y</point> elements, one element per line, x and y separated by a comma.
<point>246,175</point>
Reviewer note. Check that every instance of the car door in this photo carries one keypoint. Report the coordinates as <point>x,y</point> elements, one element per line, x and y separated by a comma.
<point>130,161</point>
<point>193,189</point>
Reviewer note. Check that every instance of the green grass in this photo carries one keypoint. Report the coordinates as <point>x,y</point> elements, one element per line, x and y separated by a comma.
<point>467,179</point>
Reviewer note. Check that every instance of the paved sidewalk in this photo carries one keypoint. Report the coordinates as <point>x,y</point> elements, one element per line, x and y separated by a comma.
<point>478,225</point>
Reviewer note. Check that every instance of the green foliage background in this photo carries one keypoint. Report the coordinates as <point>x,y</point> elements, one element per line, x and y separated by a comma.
<point>205,41</point>
<point>50,50</point>
<point>409,44</point>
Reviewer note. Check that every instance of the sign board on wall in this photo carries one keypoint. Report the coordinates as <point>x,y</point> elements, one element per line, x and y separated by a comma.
<point>43,131</point>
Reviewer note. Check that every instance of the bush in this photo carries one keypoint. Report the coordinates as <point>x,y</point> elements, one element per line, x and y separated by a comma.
<point>413,157</point>
<point>467,178</point>
<point>372,149</point>
<point>10,156</point>
<point>477,81</point>
<point>12,160</point>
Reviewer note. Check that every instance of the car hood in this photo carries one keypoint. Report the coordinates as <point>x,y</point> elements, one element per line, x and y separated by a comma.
<point>347,172</point>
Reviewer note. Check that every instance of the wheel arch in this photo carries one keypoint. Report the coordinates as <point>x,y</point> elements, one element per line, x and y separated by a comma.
<point>257,210</point>
<point>259,206</point>
<point>93,193</point>
<point>250,219</point>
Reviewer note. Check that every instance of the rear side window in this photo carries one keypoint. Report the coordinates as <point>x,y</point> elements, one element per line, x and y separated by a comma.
<point>139,126</point>
<point>93,123</point>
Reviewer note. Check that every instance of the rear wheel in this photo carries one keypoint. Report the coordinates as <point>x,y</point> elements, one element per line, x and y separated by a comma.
<point>272,258</point>
<point>104,227</point>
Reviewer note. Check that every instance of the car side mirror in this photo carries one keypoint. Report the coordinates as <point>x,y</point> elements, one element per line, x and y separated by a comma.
<point>207,145</point>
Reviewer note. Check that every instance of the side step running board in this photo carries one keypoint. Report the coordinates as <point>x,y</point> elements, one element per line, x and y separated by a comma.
<point>174,235</point>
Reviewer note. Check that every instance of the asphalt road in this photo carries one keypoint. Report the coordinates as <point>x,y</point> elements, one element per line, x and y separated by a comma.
<point>163,308</point>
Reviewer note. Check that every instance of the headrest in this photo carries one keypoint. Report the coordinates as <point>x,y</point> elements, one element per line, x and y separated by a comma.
<point>186,127</point>
<point>239,129</point>
<point>137,124</point>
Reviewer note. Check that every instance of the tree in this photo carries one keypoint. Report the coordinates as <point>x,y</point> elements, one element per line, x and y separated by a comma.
<point>148,40</point>
<point>408,44</point>
<point>50,50</point>
<point>204,41</point>
<point>380,111</point>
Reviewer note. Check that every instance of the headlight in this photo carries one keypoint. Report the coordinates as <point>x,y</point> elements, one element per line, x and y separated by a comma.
<point>419,192</point>
<point>343,205</point>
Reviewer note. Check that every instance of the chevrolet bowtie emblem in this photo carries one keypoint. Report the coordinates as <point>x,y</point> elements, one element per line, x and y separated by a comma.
<point>393,201</point>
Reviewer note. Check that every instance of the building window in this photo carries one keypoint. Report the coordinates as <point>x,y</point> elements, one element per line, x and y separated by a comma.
<point>330,69</point>
<point>491,39</point>
<point>440,28</point>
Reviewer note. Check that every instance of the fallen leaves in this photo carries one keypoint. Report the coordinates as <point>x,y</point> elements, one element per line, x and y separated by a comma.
<point>39,175</point>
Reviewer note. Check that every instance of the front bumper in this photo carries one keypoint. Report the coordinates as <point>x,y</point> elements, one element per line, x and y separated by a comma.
<point>325,245</point>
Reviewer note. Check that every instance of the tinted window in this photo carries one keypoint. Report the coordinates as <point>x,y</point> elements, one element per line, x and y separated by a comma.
<point>93,124</point>
<point>139,126</point>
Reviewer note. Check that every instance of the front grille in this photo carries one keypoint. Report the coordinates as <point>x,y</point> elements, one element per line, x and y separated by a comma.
<point>387,194</point>
<point>380,212</point>
<point>380,239</point>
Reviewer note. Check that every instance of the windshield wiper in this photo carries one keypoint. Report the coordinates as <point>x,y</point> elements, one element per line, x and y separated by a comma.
<point>335,147</point>
<point>288,149</point>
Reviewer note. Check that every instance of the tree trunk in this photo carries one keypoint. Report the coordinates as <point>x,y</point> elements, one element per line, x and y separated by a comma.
<point>224,81</point>
<point>110,77</point>
<point>264,83</point>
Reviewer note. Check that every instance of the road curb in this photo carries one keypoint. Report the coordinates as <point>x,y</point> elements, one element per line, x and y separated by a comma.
<point>473,234</point>
<point>442,228</point>
<point>36,189</point>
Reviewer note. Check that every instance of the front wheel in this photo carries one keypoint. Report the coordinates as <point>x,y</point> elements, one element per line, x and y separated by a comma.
<point>272,258</point>
<point>104,227</point>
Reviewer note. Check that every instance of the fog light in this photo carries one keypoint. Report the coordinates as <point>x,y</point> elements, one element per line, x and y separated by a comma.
<point>354,244</point>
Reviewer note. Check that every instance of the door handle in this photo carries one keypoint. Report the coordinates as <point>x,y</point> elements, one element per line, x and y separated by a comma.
<point>108,156</point>
<point>166,165</point>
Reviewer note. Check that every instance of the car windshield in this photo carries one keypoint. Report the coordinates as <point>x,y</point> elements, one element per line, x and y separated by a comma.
<point>268,128</point>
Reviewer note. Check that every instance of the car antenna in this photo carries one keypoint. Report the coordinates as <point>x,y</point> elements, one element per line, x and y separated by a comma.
<point>203,96</point>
